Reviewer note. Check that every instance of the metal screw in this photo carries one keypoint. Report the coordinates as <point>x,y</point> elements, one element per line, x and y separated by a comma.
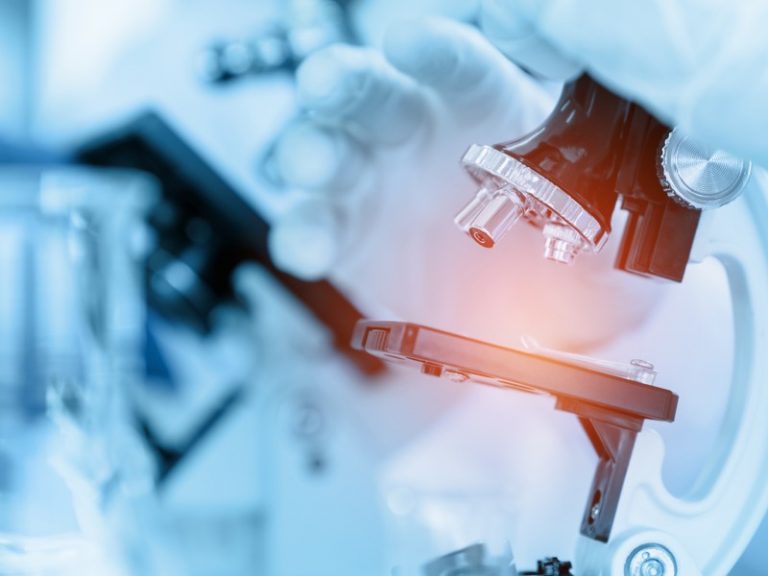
<point>651,560</point>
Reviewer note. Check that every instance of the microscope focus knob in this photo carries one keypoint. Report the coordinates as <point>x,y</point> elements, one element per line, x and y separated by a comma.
<point>700,176</point>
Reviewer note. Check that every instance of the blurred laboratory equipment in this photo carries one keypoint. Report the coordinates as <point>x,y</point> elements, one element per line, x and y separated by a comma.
<point>204,231</point>
<point>234,363</point>
<point>304,27</point>
<point>72,306</point>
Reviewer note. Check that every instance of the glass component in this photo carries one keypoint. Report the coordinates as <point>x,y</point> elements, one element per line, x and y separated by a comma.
<point>562,243</point>
<point>638,370</point>
<point>71,336</point>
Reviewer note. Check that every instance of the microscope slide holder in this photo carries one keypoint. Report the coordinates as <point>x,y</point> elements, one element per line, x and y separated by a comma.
<point>610,408</point>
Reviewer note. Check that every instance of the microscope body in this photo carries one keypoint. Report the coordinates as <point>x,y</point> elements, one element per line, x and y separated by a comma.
<point>567,176</point>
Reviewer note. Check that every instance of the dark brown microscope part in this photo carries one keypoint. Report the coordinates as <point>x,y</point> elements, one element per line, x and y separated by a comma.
<point>659,233</point>
<point>579,147</point>
<point>597,147</point>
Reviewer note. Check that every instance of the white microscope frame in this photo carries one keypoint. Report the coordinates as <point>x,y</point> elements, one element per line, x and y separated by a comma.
<point>706,533</point>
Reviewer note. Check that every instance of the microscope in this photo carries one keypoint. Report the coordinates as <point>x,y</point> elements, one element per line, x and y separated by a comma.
<point>566,178</point>
<point>595,151</point>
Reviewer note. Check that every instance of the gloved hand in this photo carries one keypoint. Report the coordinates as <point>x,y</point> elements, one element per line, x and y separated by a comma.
<point>376,158</point>
<point>697,64</point>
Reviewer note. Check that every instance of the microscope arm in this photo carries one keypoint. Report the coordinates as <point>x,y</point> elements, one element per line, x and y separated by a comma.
<point>705,531</point>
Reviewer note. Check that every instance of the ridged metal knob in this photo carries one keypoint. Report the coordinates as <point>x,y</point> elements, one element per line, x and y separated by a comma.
<point>700,176</point>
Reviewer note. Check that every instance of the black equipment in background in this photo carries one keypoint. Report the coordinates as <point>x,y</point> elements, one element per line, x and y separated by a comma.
<point>205,230</point>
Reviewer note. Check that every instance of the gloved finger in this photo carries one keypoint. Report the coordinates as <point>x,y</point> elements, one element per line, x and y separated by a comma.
<point>305,241</point>
<point>357,88</point>
<point>313,157</point>
<point>517,37</point>
<point>466,71</point>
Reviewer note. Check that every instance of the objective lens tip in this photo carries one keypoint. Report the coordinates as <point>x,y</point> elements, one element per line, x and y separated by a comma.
<point>481,237</point>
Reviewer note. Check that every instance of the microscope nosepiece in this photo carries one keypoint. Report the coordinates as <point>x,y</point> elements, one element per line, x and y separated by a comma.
<point>511,190</point>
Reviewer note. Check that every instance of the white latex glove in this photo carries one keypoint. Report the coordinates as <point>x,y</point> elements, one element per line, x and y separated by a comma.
<point>699,64</point>
<point>377,159</point>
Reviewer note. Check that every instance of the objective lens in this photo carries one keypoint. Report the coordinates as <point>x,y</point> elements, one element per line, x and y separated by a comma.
<point>490,215</point>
